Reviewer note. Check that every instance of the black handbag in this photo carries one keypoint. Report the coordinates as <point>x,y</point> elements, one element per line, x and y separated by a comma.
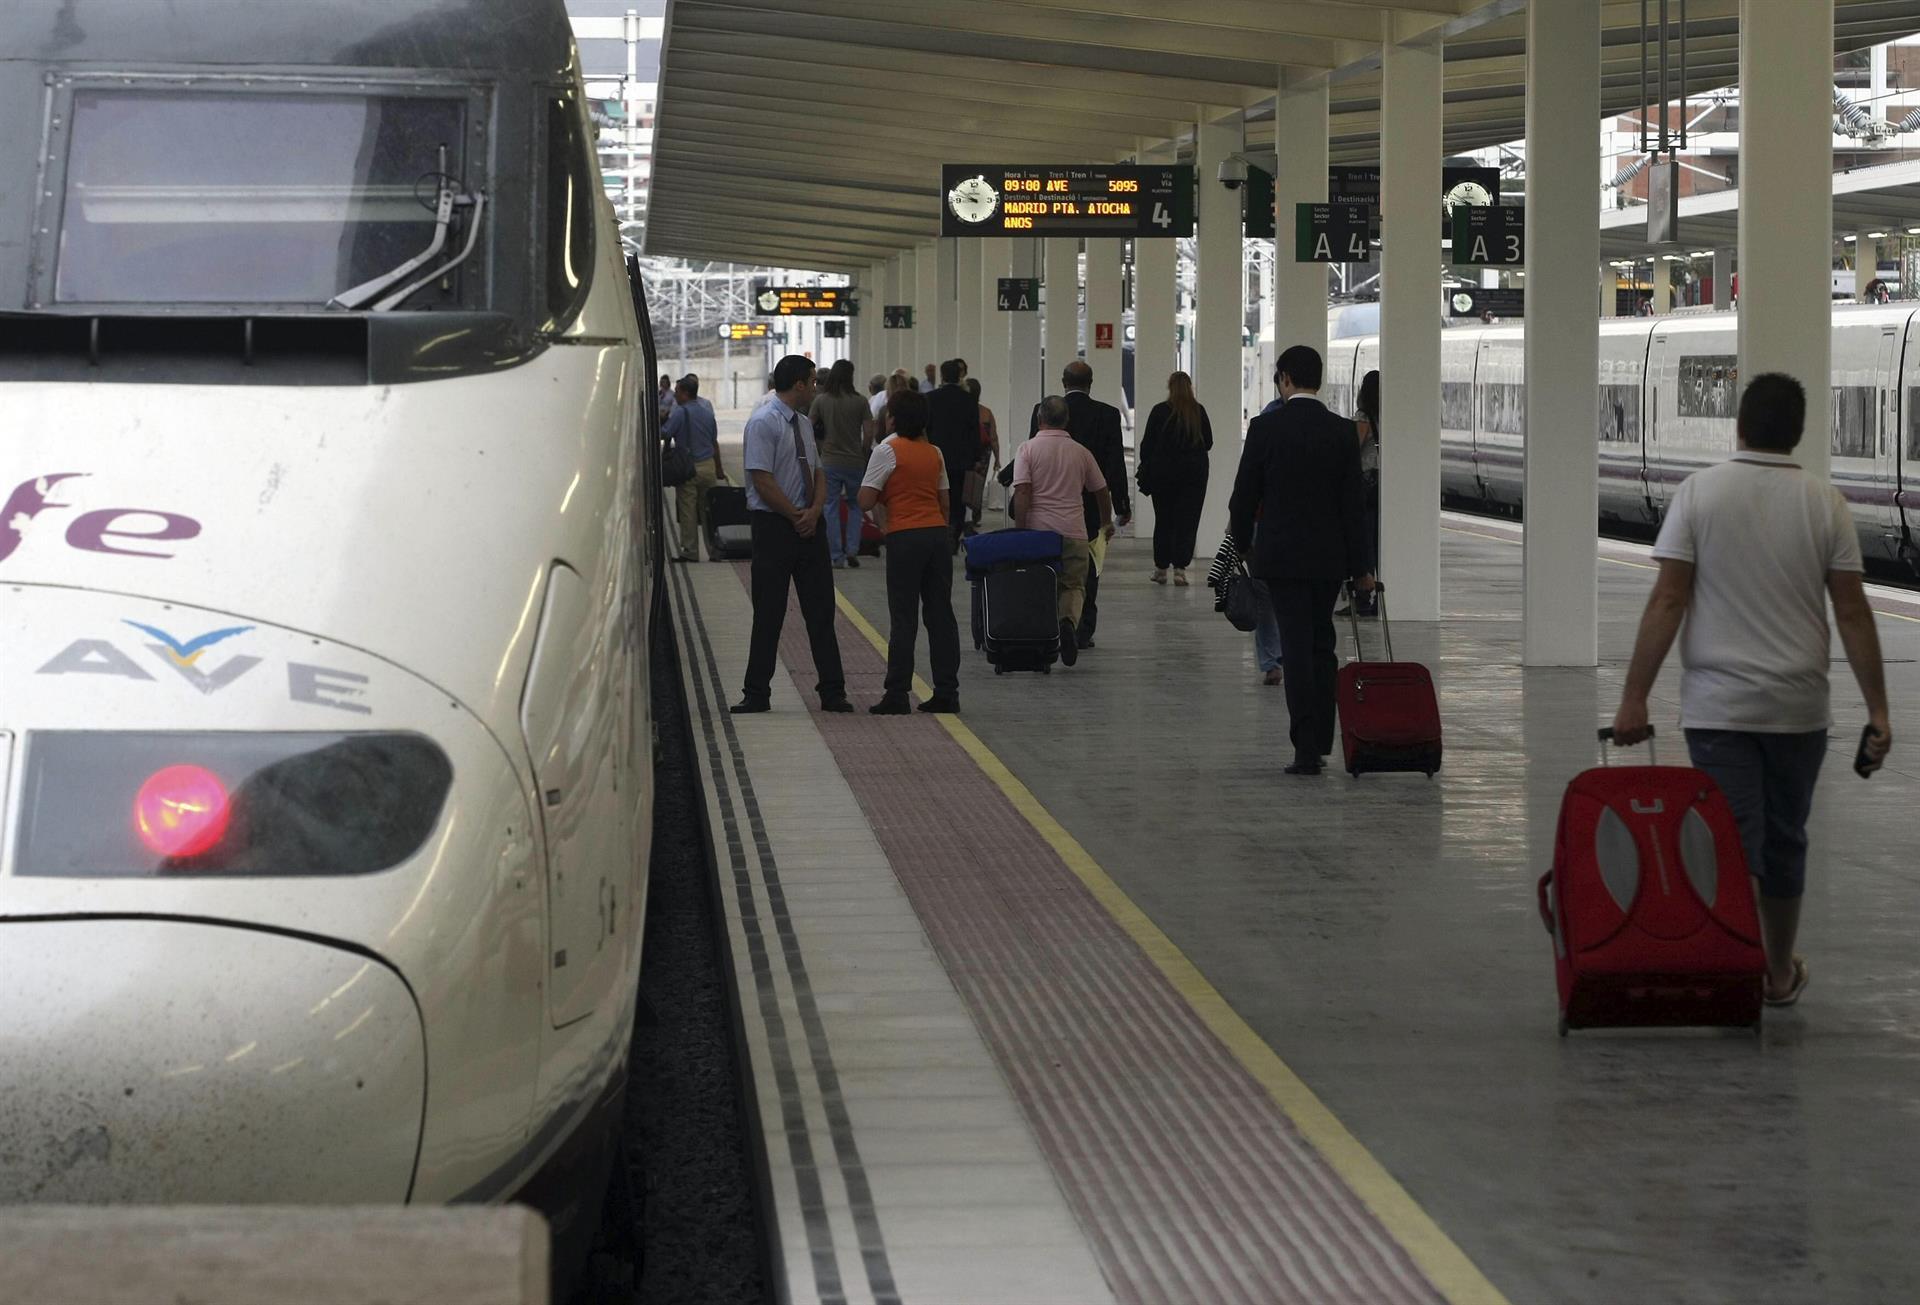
<point>1242,605</point>
<point>676,466</point>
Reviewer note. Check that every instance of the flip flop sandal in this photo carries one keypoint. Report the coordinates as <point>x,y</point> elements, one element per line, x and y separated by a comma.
<point>1800,981</point>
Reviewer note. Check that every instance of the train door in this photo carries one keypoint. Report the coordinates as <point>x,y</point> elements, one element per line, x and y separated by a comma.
<point>1662,414</point>
<point>1906,450</point>
<point>1622,424</point>
<point>1459,464</point>
<point>1876,506</point>
<point>1500,431</point>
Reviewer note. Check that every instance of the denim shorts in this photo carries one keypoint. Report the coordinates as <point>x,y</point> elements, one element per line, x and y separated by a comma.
<point>1768,780</point>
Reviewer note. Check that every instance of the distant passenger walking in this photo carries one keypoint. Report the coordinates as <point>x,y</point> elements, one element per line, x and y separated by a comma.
<point>907,476</point>
<point>1095,427</point>
<point>1300,473</point>
<point>953,424</point>
<point>664,399</point>
<point>989,452</point>
<point>1051,474</point>
<point>692,425</point>
<point>1749,554</point>
<point>839,417</point>
<point>1366,417</point>
<point>1173,472</point>
<point>786,491</point>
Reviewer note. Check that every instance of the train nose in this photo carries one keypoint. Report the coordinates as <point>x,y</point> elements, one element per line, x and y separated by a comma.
<point>161,1061</point>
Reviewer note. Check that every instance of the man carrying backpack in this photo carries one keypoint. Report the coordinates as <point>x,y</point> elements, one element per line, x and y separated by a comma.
<point>1749,554</point>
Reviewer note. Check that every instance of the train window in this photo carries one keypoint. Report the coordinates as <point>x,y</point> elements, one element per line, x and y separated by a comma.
<point>570,189</point>
<point>1619,414</point>
<point>194,197</point>
<point>1913,424</point>
<point>1503,408</point>
<point>1456,405</point>
<point>1710,386</point>
<point>1853,420</point>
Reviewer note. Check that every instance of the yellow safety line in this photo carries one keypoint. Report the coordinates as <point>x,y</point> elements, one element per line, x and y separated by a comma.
<point>1445,1265</point>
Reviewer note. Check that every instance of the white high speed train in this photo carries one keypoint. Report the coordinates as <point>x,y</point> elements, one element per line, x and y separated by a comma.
<point>327,557</point>
<point>1669,390</point>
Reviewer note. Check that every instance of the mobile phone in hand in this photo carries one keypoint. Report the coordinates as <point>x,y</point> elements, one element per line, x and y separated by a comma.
<point>1862,763</point>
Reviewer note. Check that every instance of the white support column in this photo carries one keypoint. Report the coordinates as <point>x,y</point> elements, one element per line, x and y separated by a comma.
<point>1866,264</point>
<point>990,361</point>
<point>1662,286</point>
<point>1219,307</point>
<point>1722,279</point>
<point>1560,611</point>
<point>1063,311</point>
<point>1022,358</point>
<point>968,305</point>
<point>1786,226</point>
<point>926,310</point>
<point>1154,355</point>
<point>1104,296</point>
<point>905,269</point>
<point>1410,115</point>
<point>1609,290</point>
<point>946,317</point>
<point>1300,289</point>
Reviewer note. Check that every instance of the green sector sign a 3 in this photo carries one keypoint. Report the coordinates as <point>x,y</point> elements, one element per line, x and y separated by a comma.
<point>1073,199</point>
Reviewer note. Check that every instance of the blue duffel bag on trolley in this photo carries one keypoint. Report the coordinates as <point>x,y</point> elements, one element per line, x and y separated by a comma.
<point>998,548</point>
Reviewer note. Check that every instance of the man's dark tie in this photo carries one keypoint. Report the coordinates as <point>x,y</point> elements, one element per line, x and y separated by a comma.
<point>806,470</point>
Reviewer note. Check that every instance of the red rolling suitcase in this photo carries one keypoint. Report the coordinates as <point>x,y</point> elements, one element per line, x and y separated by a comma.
<point>1389,716</point>
<point>1649,903</point>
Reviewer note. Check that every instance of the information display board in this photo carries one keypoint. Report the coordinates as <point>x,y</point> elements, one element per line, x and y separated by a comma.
<point>1473,301</point>
<point>801,300</point>
<point>749,331</point>
<point>896,317</point>
<point>833,330</point>
<point>1490,237</point>
<point>1076,199</point>
<point>1361,185</point>
<point>1019,294</point>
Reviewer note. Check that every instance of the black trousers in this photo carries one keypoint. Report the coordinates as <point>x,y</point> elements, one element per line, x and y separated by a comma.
<point>1089,609</point>
<point>920,584</point>
<point>1310,661</point>
<point>780,558</point>
<point>1176,522</point>
<point>957,500</point>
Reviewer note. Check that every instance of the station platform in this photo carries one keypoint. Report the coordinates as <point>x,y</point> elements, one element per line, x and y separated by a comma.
<point>1075,997</point>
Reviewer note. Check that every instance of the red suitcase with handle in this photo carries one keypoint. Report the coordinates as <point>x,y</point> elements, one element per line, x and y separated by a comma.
<point>1389,715</point>
<point>1649,903</point>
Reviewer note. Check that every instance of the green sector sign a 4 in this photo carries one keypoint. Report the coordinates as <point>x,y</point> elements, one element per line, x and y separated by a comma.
<point>1074,199</point>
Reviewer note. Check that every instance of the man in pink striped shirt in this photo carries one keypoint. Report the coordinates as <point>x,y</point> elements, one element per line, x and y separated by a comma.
<point>1050,473</point>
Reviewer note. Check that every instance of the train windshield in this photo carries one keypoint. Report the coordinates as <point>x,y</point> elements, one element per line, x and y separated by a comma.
<point>257,198</point>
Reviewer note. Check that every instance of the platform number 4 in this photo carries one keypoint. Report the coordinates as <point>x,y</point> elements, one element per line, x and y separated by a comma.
<point>1161,218</point>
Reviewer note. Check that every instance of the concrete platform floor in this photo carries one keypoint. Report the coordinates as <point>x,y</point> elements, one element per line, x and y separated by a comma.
<point>1382,936</point>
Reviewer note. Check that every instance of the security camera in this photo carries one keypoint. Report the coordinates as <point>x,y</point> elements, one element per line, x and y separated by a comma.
<point>1233,173</point>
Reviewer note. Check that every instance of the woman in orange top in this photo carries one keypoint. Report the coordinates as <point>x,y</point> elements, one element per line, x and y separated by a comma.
<point>908,477</point>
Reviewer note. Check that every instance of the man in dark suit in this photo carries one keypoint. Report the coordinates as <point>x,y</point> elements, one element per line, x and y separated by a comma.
<point>1095,426</point>
<point>1300,473</point>
<point>953,427</point>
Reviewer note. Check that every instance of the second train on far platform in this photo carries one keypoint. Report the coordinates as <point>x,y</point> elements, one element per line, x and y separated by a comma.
<point>1669,389</point>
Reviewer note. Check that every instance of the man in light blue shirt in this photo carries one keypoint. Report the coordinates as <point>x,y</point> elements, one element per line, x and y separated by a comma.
<point>787,492</point>
<point>692,426</point>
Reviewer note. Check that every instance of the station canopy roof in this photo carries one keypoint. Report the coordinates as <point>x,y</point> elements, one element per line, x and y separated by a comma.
<point>810,133</point>
<point>1882,200</point>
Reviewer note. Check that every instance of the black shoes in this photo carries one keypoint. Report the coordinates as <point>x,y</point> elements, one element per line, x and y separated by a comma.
<point>891,705</point>
<point>751,706</point>
<point>1083,642</point>
<point>835,705</point>
<point>942,705</point>
<point>1304,767</point>
<point>853,561</point>
<point>1069,649</point>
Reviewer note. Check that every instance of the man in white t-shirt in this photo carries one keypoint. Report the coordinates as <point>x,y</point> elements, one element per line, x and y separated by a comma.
<point>1749,554</point>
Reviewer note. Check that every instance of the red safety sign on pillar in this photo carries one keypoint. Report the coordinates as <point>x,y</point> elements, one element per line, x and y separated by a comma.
<point>1103,335</point>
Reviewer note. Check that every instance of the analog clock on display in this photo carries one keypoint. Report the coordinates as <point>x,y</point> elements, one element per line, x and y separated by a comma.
<point>973,200</point>
<point>1470,193</point>
<point>1463,303</point>
<point>769,301</point>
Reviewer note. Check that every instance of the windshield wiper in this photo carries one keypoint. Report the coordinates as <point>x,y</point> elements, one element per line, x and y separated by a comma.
<point>445,203</point>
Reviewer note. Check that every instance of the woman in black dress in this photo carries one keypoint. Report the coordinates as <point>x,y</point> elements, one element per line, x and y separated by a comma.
<point>1173,472</point>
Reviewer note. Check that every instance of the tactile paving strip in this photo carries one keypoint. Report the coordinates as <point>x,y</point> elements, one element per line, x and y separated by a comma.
<point>1190,1181</point>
